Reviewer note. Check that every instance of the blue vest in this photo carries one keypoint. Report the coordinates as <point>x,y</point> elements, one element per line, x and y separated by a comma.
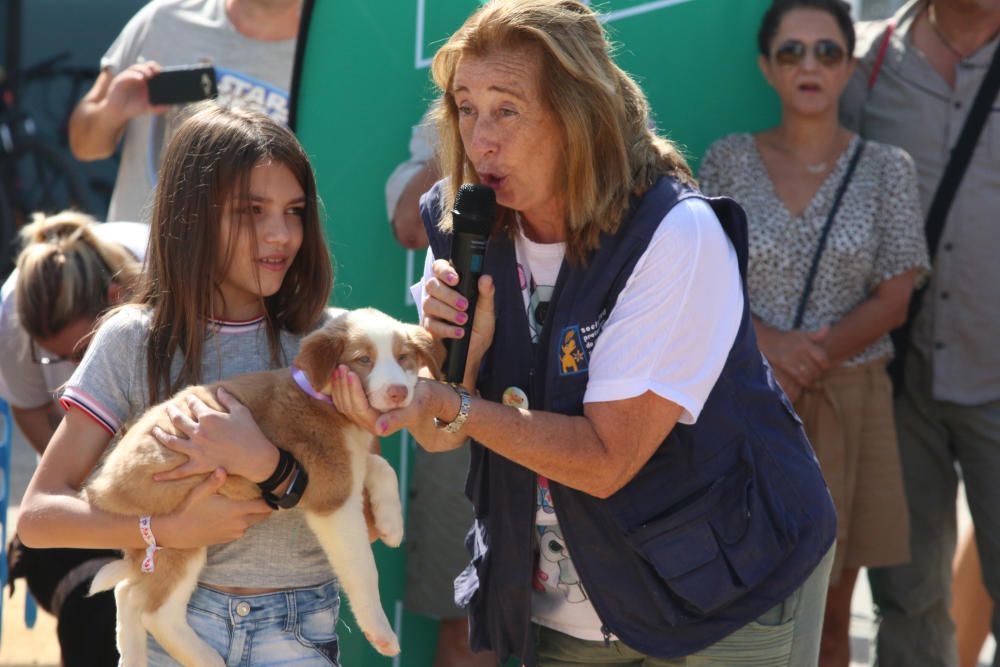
<point>728,517</point>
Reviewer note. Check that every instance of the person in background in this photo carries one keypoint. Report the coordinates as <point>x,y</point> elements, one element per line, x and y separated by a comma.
<point>407,182</point>
<point>835,251</point>
<point>643,491</point>
<point>251,44</point>
<point>919,74</point>
<point>71,269</point>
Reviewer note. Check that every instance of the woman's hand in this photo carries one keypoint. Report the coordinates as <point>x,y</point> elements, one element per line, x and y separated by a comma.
<point>797,355</point>
<point>445,311</point>
<point>206,518</point>
<point>350,399</point>
<point>791,388</point>
<point>211,439</point>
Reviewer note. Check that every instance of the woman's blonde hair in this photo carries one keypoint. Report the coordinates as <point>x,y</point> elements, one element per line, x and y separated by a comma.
<point>207,164</point>
<point>65,272</point>
<point>611,153</point>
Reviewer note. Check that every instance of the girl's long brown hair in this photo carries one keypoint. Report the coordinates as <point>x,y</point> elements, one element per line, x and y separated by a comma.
<point>207,165</point>
<point>611,154</point>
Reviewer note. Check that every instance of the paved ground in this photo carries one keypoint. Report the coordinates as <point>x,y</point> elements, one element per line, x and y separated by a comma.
<point>37,646</point>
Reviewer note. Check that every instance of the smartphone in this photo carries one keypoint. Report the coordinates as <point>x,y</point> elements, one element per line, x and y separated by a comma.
<point>184,83</point>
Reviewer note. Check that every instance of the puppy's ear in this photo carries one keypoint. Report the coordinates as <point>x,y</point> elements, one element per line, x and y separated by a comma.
<point>430,353</point>
<point>320,353</point>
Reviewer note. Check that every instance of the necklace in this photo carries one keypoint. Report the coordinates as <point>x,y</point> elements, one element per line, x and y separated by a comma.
<point>814,169</point>
<point>817,168</point>
<point>932,19</point>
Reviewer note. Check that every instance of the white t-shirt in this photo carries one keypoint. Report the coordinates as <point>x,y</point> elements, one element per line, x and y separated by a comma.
<point>670,332</point>
<point>23,383</point>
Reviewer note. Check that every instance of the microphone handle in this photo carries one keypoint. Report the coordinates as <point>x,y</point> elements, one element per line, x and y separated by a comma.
<point>467,258</point>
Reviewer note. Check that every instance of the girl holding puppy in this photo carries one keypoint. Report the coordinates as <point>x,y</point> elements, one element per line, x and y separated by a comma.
<point>237,274</point>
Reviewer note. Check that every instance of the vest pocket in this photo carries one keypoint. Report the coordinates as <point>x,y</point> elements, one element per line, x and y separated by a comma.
<point>714,550</point>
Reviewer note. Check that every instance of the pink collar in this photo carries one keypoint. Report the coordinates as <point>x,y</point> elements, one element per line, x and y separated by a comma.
<point>303,382</point>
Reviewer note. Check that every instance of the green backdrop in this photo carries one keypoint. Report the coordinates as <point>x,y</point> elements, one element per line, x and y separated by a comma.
<point>361,82</point>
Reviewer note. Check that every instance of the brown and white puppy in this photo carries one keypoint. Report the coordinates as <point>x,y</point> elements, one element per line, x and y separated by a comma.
<point>387,355</point>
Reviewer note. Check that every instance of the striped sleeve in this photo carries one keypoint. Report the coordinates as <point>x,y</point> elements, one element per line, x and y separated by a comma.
<point>74,397</point>
<point>109,384</point>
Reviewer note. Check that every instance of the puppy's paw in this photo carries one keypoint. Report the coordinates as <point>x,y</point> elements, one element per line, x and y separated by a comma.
<point>390,529</point>
<point>387,645</point>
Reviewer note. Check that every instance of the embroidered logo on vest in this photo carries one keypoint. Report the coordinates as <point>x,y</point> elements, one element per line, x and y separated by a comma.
<point>572,356</point>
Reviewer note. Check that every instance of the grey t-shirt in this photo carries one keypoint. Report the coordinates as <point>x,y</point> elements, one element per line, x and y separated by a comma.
<point>110,385</point>
<point>250,74</point>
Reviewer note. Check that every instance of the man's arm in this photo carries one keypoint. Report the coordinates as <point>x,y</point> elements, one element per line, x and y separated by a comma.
<point>99,119</point>
<point>38,424</point>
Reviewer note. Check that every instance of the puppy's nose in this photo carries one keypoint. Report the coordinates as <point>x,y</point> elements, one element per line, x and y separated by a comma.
<point>396,393</point>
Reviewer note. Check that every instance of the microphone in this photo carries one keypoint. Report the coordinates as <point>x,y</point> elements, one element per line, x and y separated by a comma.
<point>472,219</point>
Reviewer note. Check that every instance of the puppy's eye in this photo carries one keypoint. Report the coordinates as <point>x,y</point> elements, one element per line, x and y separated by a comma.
<point>364,360</point>
<point>403,358</point>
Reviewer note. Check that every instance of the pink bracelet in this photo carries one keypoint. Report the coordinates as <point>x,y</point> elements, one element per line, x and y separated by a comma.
<point>146,530</point>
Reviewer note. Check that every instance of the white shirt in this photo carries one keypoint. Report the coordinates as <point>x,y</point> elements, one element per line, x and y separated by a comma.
<point>670,332</point>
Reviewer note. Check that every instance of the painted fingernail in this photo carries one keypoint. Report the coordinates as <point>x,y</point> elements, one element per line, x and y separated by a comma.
<point>461,318</point>
<point>459,332</point>
<point>462,304</point>
<point>452,278</point>
<point>382,425</point>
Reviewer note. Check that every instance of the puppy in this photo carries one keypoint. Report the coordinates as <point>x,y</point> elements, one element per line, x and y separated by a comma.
<point>387,355</point>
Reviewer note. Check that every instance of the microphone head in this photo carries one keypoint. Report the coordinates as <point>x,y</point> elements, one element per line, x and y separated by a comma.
<point>475,209</point>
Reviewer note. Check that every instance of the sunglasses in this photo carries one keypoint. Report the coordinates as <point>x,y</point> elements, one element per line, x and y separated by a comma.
<point>827,52</point>
<point>44,358</point>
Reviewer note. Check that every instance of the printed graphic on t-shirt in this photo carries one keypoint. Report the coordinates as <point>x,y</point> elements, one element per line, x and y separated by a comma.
<point>545,497</point>
<point>236,90</point>
<point>555,568</point>
<point>537,299</point>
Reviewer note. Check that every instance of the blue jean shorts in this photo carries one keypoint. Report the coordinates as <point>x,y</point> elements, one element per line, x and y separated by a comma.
<point>293,627</point>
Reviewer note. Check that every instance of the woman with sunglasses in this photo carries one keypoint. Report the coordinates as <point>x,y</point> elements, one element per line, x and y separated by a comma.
<point>69,271</point>
<point>836,248</point>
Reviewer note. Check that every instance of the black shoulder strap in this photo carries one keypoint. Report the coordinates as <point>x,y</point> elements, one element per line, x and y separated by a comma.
<point>844,182</point>
<point>961,154</point>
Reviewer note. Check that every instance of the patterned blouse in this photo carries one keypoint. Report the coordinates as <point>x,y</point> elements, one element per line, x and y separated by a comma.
<point>877,233</point>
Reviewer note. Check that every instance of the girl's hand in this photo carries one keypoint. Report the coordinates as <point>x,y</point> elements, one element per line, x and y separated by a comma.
<point>444,312</point>
<point>211,439</point>
<point>206,518</point>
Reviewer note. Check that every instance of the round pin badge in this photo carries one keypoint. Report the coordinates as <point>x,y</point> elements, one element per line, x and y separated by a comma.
<point>515,397</point>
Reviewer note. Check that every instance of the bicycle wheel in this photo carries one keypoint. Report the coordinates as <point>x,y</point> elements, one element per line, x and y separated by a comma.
<point>42,178</point>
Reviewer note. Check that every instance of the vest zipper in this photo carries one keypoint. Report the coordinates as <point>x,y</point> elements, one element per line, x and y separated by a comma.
<point>607,635</point>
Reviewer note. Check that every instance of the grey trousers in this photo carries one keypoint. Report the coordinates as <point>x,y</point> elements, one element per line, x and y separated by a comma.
<point>914,627</point>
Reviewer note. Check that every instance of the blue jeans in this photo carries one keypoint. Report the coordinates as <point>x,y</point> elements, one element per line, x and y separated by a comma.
<point>293,627</point>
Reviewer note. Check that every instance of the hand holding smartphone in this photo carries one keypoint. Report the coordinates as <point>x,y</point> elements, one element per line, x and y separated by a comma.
<point>182,84</point>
